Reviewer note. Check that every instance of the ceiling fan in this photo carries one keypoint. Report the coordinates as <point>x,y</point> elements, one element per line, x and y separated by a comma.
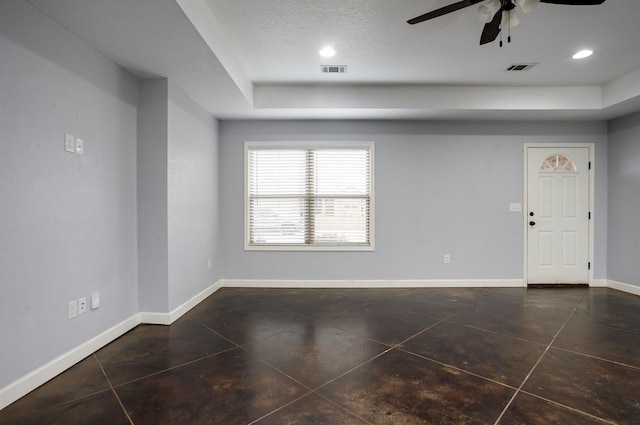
<point>497,13</point>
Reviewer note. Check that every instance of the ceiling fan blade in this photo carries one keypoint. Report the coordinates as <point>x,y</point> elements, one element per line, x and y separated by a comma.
<point>492,29</point>
<point>574,2</point>
<point>443,11</point>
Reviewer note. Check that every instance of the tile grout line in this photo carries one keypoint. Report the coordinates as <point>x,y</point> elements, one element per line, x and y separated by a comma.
<point>178,366</point>
<point>390,348</point>
<point>277,369</point>
<point>390,345</point>
<point>279,408</point>
<point>455,368</point>
<point>314,389</point>
<point>578,353</point>
<point>72,400</point>
<point>546,350</point>
<point>567,407</point>
<point>310,389</point>
<point>354,368</point>
<point>307,395</point>
<point>438,321</point>
<point>343,408</point>
<point>312,319</point>
<point>613,328</point>
<point>478,328</point>
<point>113,390</point>
<point>219,334</point>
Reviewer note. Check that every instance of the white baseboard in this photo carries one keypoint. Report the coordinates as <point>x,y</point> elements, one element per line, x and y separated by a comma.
<point>150,318</point>
<point>624,287</point>
<point>39,376</point>
<point>168,318</point>
<point>34,379</point>
<point>331,284</point>
<point>598,283</point>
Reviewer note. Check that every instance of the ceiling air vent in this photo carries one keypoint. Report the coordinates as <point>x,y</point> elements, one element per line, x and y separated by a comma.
<point>521,66</point>
<point>333,69</point>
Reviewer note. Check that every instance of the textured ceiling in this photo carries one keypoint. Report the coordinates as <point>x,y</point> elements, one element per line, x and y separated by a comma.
<point>258,59</point>
<point>278,41</point>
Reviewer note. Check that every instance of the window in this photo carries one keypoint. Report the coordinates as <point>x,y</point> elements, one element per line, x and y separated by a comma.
<point>309,196</point>
<point>558,164</point>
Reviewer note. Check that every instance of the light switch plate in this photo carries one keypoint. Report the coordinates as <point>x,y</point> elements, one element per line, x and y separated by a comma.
<point>72,309</point>
<point>515,207</point>
<point>95,300</point>
<point>69,143</point>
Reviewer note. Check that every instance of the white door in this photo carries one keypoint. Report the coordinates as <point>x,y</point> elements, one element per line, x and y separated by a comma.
<point>558,215</point>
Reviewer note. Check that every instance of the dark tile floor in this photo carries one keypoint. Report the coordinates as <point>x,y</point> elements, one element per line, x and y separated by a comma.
<point>368,356</point>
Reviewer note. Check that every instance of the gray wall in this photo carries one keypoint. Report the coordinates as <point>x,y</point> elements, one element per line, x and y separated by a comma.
<point>71,224</point>
<point>153,236</point>
<point>67,222</point>
<point>177,197</point>
<point>192,198</point>
<point>440,187</point>
<point>135,217</point>
<point>624,200</point>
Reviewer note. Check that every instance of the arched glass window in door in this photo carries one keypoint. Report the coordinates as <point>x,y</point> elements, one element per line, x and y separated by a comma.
<point>558,163</point>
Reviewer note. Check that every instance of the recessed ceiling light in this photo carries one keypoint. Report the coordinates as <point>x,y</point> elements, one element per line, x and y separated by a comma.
<point>583,54</point>
<point>327,52</point>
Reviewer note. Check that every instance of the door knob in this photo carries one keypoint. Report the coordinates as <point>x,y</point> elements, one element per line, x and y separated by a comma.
<point>532,223</point>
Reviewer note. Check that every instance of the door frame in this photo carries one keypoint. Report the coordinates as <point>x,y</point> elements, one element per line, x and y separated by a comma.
<point>525,210</point>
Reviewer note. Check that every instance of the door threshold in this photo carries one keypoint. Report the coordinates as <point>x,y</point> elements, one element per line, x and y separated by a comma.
<point>557,285</point>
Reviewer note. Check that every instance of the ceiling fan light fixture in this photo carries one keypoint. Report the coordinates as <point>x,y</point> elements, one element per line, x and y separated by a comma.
<point>498,15</point>
<point>527,5</point>
<point>488,10</point>
<point>509,19</point>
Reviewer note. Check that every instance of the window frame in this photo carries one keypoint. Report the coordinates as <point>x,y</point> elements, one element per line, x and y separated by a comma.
<point>370,146</point>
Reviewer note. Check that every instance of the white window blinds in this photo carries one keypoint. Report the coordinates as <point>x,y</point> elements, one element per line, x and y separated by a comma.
<point>309,197</point>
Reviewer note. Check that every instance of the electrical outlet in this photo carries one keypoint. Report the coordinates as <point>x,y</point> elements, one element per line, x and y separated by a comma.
<point>82,305</point>
<point>79,146</point>
<point>447,258</point>
<point>72,309</point>
<point>209,263</point>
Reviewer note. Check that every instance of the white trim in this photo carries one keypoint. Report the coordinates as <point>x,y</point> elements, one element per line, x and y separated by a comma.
<point>525,203</point>
<point>168,318</point>
<point>50,370</point>
<point>623,287</point>
<point>338,284</point>
<point>150,318</point>
<point>46,372</point>
<point>316,248</point>
<point>39,376</point>
<point>308,144</point>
